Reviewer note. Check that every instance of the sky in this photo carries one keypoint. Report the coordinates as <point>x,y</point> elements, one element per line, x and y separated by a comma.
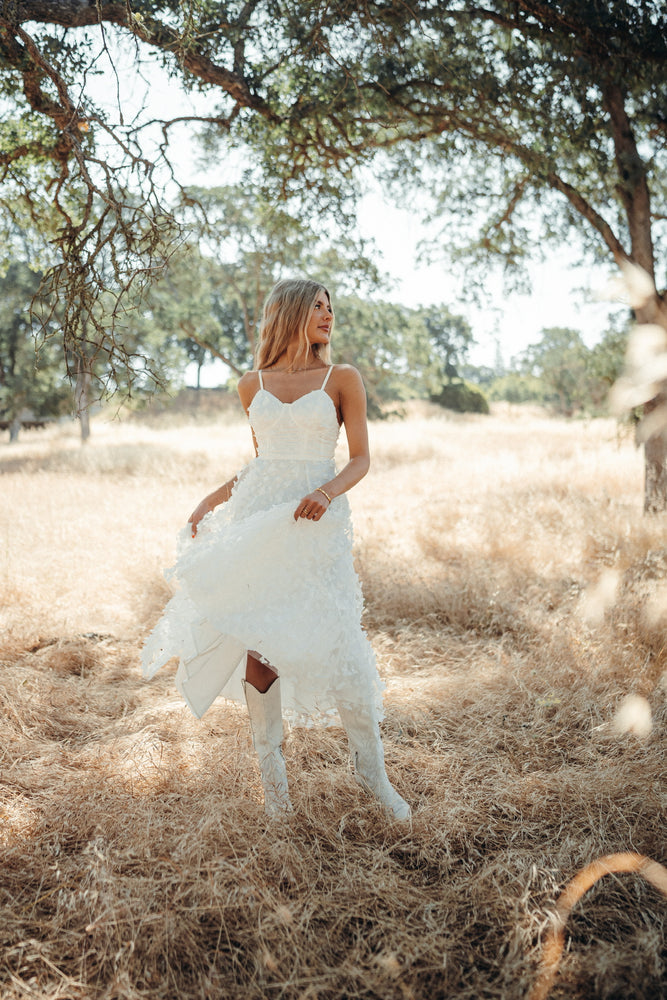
<point>562,293</point>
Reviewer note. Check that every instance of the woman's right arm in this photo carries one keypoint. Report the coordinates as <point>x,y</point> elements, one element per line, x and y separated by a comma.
<point>209,503</point>
<point>247,388</point>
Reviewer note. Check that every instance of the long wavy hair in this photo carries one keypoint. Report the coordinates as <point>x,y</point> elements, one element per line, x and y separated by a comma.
<point>287,309</point>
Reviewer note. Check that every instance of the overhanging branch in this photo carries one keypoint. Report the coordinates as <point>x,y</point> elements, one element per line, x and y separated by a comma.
<point>87,13</point>
<point>109,227</point>
<point>585,209</point>
<point>212,350</point>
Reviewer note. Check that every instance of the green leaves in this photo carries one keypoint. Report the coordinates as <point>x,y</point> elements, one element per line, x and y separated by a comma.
<point>31,371</point>
<point>523,122</point>
<point>565,374</point>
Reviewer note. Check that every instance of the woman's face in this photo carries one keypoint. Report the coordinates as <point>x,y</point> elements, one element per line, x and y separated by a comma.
<point>318,329</point>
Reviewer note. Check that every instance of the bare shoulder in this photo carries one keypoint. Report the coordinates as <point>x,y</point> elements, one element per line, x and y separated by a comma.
<point>250,378</point>
<point>246,387</point>
<point>347,378</point>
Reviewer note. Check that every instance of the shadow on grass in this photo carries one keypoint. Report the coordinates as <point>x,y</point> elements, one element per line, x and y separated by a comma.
<point>136,860</point>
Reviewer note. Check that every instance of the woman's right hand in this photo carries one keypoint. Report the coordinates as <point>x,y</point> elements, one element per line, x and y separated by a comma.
<point>198,513</point>
<point>209,503</point>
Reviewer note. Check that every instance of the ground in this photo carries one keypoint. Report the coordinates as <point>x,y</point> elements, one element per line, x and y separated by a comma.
<point>515,596</point>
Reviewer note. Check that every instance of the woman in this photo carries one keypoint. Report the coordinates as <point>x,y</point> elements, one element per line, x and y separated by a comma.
<point>267,584</point>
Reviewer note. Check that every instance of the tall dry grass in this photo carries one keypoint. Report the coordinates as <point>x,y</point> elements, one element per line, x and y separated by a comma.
<point>515,596</point>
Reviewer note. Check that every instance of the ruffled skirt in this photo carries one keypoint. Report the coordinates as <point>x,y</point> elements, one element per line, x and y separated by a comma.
<point>256,579</point>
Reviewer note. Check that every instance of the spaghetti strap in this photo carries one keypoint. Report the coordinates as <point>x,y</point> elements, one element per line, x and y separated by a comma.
<point>326,379</point>
<point>261,383</point>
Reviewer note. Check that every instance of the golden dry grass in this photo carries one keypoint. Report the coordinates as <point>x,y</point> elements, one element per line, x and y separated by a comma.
<point>515,598</point>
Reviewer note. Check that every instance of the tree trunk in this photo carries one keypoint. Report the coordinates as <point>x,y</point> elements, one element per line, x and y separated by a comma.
<point>635,196</point>
<point>655,464</point>
<point>655,475</point>
<point>82,401</point>
<point>655,447</point>
<point>14,429</point>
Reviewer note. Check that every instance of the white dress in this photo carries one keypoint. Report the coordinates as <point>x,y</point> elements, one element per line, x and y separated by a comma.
<point>256,579</point>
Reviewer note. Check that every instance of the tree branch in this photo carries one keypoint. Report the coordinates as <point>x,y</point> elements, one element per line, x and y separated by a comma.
<point>585,209</point>
<point>492,135</point>
<point>113,235</point>
<point>67,13</point>
<point>209,347</point>
<point>633,186</point>
<point>86,13</point>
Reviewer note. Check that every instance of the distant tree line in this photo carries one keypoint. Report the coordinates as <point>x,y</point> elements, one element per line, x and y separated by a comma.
<point>559,372</point>
<point>207,305</point>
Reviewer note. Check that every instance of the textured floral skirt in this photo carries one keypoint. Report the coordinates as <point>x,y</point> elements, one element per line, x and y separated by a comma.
<point>256,579</point>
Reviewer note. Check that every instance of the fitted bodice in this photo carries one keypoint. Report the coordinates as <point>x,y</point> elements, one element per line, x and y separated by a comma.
<point>306,429</point>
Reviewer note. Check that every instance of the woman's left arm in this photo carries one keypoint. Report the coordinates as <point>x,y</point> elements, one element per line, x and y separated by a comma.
<point>352,402</point>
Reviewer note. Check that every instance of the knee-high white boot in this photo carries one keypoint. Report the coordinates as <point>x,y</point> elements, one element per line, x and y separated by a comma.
<point>266,723</point>
<point>363,733</point>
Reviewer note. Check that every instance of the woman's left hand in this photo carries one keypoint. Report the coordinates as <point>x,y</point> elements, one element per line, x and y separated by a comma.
<point>312,507</point>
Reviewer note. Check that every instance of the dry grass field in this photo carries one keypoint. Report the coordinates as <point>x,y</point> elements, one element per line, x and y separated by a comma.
<point>515,597</point>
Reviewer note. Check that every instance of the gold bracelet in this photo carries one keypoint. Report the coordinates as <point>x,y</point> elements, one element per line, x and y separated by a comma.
<point>320,490</point>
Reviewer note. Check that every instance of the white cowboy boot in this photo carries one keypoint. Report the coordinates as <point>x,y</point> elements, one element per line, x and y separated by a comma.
<point>266,723</point>
<point>363,733</point>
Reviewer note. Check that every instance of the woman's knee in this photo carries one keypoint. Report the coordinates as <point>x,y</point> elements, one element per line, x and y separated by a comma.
<point>259,674</point>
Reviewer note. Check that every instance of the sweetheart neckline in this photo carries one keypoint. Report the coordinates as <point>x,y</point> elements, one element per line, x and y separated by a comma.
<point>293,401</point>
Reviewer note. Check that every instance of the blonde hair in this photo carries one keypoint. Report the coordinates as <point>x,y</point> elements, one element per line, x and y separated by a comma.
<point>287,309</point>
